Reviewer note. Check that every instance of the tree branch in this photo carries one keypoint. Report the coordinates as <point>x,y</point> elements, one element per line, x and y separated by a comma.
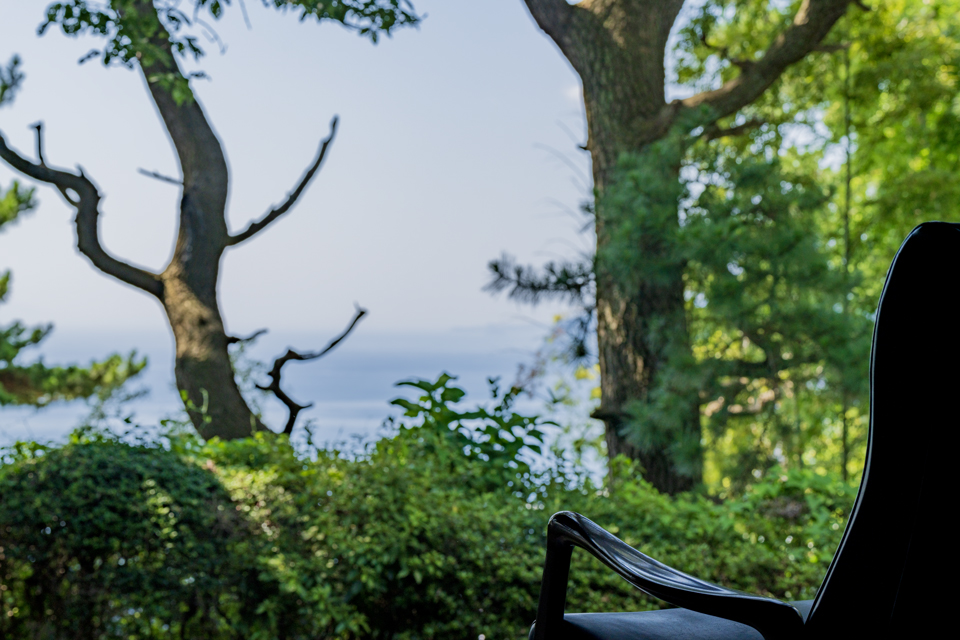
<point>552,16</point>
<point>250,338</point>
<point>159,176</point>
<point>260,225</point>
<point>39,127</point>
<point>275,373</point>
<point>810,26</point>
<point>713,131</point>
<point>86,200</point>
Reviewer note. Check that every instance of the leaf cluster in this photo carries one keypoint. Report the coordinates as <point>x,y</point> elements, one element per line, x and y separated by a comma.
<point>131,27</point>
<point>10,79</point>
<point>96,536</point>
<point>499,437</point>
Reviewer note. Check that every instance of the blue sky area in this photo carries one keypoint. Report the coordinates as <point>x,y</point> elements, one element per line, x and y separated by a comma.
<point>458,141</point>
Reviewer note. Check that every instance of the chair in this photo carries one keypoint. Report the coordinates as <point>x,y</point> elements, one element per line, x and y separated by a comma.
<point>895,568</point>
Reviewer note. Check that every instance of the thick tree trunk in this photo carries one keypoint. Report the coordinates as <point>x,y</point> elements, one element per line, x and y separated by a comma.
<point>202,367</point>
<point>618,47</point>
<point>634,353</point>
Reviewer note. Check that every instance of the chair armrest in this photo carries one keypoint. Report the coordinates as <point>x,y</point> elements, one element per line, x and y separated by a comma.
<point>774,619</point>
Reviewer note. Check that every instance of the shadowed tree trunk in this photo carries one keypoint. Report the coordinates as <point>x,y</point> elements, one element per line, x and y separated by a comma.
<point>618,48</point>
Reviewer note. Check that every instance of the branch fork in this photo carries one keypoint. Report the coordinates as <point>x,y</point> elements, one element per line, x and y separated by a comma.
<point>81,193</point>
<point>276,372</point>
<point>256,227</point>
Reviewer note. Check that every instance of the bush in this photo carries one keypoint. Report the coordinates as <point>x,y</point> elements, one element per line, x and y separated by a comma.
<point>434,532</point>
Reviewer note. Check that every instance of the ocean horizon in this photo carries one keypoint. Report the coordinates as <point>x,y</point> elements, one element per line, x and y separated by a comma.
<point>350,387</point>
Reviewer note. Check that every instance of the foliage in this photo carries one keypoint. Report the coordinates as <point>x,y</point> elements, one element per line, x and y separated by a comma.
<point>128,29</point>
<point>849,149</point>
<point>35,383</point>
<point>765,307</point>
<point>98,536</point>
<point>10,79</point>
<point>411,539</point>
<point>494,437</point>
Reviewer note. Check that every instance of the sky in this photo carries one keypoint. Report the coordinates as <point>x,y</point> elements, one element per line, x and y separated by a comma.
<point>457,142</point>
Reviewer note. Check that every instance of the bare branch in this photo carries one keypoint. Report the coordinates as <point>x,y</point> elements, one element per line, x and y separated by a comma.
<point>159,176</point>
<point>250,338</point>
<point>260,225</point>
<point>86,200</point>
<point>275,373</point>
<point>811,24</point>
<point>39,127</point>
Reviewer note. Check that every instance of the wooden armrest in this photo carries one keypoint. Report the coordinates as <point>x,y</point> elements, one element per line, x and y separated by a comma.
<point>772,618</point>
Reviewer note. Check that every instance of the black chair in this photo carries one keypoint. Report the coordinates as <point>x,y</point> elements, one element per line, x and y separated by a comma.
<point>895,567</point>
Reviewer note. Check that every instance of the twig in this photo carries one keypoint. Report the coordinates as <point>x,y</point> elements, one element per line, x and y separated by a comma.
<point>160,177</point>
<point>250,338</point>
<point>260,225</point>
<point>39,127</point>
<point>275,373</point>
<point>246,18</point>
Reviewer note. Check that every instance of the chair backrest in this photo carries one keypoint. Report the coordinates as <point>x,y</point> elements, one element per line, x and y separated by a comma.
<point>889,576</point>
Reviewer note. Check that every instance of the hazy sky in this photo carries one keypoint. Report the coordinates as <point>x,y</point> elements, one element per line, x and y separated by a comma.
<point>458,140</point>
<point>441,163</point>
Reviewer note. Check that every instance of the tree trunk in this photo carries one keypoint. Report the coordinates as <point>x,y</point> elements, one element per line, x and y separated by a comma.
<point>204,374</point>
<point>618,48</point>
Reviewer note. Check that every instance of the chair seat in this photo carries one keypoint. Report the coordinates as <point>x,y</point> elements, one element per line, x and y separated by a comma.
<point>666,624</point>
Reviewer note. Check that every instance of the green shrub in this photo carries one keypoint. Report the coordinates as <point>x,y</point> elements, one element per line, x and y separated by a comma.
<point>102,539</point>
<point>434,532</point>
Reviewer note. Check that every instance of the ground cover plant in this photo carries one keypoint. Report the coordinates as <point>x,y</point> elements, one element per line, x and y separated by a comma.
<point>435,530</point>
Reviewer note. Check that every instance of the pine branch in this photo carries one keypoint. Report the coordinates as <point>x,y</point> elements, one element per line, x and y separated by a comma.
<point>573,281</point>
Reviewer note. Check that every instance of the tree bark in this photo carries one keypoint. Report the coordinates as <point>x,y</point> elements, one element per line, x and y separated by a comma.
<point>203,370</point>
<point>618,48</point>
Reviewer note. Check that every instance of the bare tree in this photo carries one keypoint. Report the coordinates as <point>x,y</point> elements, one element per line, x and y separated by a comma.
<point>150,35</point>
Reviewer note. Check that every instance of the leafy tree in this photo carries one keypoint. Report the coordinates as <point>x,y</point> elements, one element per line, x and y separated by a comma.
<point>650,398</point>
<point>35,383</point>
<point>150,35</point>
<point>877,116</point>
<point>786,216</point>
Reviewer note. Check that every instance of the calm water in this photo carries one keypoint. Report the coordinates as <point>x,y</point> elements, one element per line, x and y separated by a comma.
<point>350,387</point>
